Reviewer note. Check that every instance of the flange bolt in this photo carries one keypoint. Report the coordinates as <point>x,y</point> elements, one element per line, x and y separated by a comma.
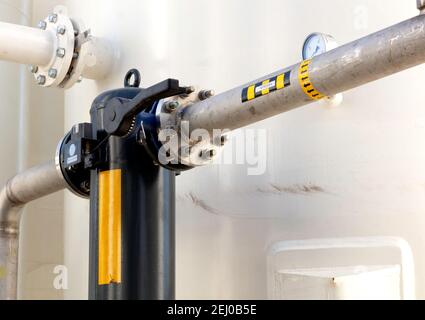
<point>421,5</point>
<point>33,69</point>
<point>42,25</point>
<point>205,94</point>
<point>61,30</point>
<point>41,80</point>
<point>171,106</point>
<point>53,18</point>
<point>224,140</point>
<point>189,90</point>
<point>53,73</point>
<point>61,52</point>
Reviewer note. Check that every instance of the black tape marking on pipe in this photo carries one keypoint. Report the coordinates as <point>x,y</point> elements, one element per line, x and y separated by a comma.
<point>265,87</point>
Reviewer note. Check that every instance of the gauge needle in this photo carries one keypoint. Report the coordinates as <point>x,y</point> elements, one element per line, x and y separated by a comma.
<point>317,49</point>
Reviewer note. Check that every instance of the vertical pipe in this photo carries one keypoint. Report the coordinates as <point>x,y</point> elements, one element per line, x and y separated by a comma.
<point>24,87</point>
<point>132,223</point>
<point>132,234</point>
<point>25,187</point>
<point>9,243</point>
<point>148,230</point>
<point>19,12</point>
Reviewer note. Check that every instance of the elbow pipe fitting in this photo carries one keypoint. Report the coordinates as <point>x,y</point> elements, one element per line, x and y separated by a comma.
<point>25,187</point>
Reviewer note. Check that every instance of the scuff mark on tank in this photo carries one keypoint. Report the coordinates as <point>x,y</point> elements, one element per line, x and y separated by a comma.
<point>202,204</point>
<point>306,189</point>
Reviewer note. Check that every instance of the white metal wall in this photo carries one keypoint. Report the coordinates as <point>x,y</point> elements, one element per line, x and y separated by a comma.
<point>353,171</point>
<point>31,123</point>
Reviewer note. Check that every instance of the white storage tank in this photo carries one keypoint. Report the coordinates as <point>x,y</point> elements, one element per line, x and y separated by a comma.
<point>353,171</point>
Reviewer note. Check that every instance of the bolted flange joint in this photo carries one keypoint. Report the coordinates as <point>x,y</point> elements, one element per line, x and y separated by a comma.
<point>77,54</point>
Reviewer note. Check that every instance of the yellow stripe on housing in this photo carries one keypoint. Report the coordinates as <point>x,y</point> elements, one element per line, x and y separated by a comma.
<point>109,227</point>
<point>251,92</point>
<point>280,82</point>
<point>306,83</point>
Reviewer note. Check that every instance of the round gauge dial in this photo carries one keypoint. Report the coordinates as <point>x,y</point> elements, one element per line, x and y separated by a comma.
<point>318,43</point>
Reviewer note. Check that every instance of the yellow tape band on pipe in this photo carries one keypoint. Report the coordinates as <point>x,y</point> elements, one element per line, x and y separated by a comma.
<point>305,82</point>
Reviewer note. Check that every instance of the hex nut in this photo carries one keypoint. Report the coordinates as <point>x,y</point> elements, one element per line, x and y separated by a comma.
<point>33,69</point>
<point>42,25</point>
<point>53,18</point>
<point>61,30</point>
<point>53,73</point>
<point>61,52</point>
<point>41,80</point>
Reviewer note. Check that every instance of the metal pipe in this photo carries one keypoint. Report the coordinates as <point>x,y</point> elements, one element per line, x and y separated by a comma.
<point>25,187</point>
<point>371,58</point>
<point>26,45</point>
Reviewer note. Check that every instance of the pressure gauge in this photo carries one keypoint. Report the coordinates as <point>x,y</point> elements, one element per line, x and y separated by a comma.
<point>318,43</point>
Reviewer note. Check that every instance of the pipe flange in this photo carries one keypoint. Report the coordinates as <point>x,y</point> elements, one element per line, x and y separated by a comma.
<point>200,154</point>
<point>83,57</point>
<point>62,31</point>
<point>76,55</point>
<point>190,153</point>
<point>77,182</point>
<point>78,64</point>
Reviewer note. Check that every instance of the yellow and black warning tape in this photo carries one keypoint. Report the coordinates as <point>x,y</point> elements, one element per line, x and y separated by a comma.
<point>267,86</point>
<point>305,82</point>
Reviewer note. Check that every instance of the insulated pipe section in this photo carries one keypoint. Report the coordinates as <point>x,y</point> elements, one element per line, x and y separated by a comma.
<point>25,45</point>
<point>371,58</point>
<point>25,187</point>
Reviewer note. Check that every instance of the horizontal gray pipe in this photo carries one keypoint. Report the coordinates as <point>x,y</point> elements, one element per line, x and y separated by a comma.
<point>25,187</point>
<point>371,58</point>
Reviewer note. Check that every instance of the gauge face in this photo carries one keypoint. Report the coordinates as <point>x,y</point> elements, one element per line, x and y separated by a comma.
<point>316,44</point>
